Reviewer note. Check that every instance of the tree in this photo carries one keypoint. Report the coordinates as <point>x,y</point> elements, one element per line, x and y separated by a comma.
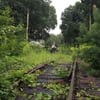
<point>5,18</point>
<point>52,19</point>
<point>40,18</point>
<point>70,23</point>
<point>10,35</point>
<point>53,38</point>
<point>88,11</point>
<point>92,39</point>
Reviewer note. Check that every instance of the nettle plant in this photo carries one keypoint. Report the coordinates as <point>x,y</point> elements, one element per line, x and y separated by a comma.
<point>60,71</point>
<point>41,96</point>
<point>54,87</point>
<point>30,79</point>
<point>83,93</point>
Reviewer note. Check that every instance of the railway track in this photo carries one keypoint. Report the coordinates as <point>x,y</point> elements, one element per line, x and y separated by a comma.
<point>83,86</point>
<point>52,82</point>
<point>86,87</point>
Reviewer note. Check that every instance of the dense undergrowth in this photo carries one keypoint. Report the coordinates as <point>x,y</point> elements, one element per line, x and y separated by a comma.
<point>88,69</point>
<point>88,59</point>
<point>14,67</point>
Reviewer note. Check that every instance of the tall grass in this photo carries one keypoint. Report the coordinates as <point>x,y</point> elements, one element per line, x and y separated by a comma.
<point>33,56</point>
<point>39,55</point>
<point>14,67</point>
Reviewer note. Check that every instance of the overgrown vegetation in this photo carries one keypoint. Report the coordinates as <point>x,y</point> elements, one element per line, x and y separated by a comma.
<point>13,68</point>
<point>80,27</point>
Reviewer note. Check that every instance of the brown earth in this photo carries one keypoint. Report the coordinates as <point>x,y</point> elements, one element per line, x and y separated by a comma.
<point>87,87</point>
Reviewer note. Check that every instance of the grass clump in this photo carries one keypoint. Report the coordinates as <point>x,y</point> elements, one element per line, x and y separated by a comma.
<point>13,68</point>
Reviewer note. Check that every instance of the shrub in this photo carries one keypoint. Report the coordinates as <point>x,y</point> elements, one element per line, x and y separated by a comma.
<point>90,54</point>
<point>11,43</point>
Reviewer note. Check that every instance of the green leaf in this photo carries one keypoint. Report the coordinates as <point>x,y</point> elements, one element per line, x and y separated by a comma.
<point>98,90</point>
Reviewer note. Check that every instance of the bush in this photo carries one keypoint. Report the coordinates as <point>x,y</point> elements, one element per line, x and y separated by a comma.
<point>90,54</point>
<point>5,87</point>
<point>11,40</point>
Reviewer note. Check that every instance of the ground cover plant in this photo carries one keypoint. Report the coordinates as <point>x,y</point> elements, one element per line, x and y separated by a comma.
<point>61,94</point>
<point>14,67</point>
<point>62,72</point>
<point>80,28</point>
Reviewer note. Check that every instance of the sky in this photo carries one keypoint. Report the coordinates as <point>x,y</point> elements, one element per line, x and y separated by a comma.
<point>60,5</point>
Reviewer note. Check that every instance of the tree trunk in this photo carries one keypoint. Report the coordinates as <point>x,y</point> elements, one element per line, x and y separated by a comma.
<point>27,26</point>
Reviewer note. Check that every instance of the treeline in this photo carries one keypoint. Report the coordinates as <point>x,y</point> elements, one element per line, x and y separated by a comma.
<point>81,27</point>
<point>24,19</point>
<point>20,22</point>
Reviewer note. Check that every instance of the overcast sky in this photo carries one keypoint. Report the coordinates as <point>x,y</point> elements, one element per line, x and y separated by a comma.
<point>60,5</point>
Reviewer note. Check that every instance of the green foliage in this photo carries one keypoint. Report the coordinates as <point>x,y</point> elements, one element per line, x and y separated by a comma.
<point>41,96</point>
<point>82,93</point>
<point>54,87</point>
<point>84,66</point>
<point>10,63</point>
<point>70,23</point>
<point>94,72</point>
<point>91,51</point>
<point>93,35</point>
<point>9,75</point>
<point>4,87</point>
<point>83,31</point>
<point>91,55</point>
<point>14,68</point>
<point>45,56</point>
<point>7,92</point>
<point>75,52</point>
<point>53,38</point>
<point>62,72</point>
<point>5,18</point>
<point>16,55</point>
<point>52,19</point>
<point>96,15</point>
<point>42,15</point>
<point>26,49</point>
<point>9,40</point>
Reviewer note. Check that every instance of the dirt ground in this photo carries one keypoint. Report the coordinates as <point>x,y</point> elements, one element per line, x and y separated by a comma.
<point>87,87</point>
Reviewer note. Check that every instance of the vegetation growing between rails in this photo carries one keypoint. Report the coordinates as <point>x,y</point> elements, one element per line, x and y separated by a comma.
<point>80,27</point>
<point>52,87</point>
<point>15,67</point>
<point>61,94</point>
<point>88,96</point>
<point>62,72</point>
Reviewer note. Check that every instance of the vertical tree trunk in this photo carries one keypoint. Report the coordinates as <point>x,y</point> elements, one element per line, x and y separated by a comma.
<point>90,22</point>
<point>27,26</point>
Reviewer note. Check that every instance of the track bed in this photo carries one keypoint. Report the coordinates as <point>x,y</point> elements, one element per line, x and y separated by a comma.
<point>87,87</point>
<point>51,83</point>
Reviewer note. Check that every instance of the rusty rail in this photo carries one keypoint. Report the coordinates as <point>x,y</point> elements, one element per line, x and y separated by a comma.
<point>71,75</point>
<point>36,68</point>
<point>30,72</point>
<point>70,95</point>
